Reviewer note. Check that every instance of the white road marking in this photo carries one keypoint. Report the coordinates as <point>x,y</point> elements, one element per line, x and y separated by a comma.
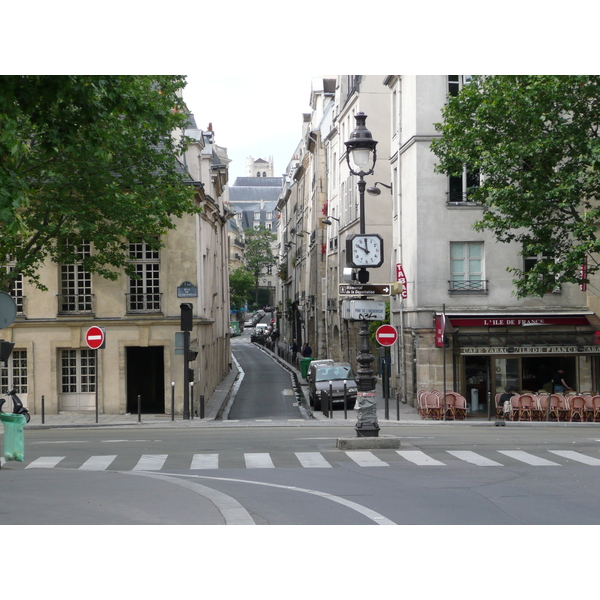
<point>419,458</point>
<point>529,459</point>
<point>573,455</point>
<point>258,460</point>
<point>312,460</point>
<point>98,463</point>
<point>205,461</point>
<point>45,462</point>
<point>151,462</point>
<point>474,458</point>
<point>366,459</point>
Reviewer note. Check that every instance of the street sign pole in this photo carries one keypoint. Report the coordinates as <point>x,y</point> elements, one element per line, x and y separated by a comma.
<point>95,338</point>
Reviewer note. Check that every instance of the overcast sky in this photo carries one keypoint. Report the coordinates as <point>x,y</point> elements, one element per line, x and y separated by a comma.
<point>251,115</point>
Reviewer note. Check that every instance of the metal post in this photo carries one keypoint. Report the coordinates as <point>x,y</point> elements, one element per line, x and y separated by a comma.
<point>191,399</point>
<point>43,410</point>
<point>186,375</point>
<point>139,409</point>
<point>345,401</point>
<point>96,386</point>
<point>172,400</point>
<point>548,407</point>
<point>330,402</point>
<point>202,406</point>
<point>385,389</point>
<point>397,406</point>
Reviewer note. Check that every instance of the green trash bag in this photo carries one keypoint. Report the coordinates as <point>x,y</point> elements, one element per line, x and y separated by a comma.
<point>14,438</point>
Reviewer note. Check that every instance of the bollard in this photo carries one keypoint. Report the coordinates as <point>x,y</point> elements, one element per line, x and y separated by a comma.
<point>43,410</point>
<point>139,409</point>
<point>345,401</point>
<point>330,407</point>
<point>172,400</point>
<point>191,399</point>
<point>202,406</point>
<point>397,406</point>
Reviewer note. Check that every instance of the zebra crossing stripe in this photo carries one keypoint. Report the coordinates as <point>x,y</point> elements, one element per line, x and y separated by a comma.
<point>419,458</point>
<point>573,455</point>
<point>529,459</point>
<point>312,460</point>
<point>366,459</point>
<point>45,462</point>
<point>97,463</point>
<point>205,461</point>
<point>258,460</point>
<point>151,462</point>
<point>474,458</point>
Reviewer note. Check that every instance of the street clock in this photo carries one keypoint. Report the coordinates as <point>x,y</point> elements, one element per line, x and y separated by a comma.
<point>364,250</point>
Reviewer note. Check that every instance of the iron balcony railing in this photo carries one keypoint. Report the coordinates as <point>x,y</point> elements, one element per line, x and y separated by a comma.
<point>479,285</point>
<point>75,304</point>
<point>150,302</point>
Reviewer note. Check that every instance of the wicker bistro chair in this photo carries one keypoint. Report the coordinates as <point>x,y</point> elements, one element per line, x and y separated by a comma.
<point>460,407</point>
<point>449,405</point>
<point>563,407</point>
<point>432,406</point>
<point>543,402</point>
<point>513,414</point>
<point>421,403</point>
<point>499,407</point>
<point>577,408</point>
<point>526,404</point>
<point>592,408</point>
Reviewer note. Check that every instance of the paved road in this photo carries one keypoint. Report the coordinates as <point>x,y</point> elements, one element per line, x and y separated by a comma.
<point>296,475</point>
<point>266,388</point>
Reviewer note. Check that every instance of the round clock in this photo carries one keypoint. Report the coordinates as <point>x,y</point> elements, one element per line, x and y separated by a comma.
<point>365,250</point>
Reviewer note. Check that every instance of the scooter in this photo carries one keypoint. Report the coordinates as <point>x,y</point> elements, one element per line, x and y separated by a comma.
<point>18,408</point>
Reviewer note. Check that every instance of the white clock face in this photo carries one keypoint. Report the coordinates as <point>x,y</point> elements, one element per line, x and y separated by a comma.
<point>366,250</point>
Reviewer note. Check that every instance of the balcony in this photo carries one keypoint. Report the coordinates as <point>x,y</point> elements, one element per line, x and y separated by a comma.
<point>144,303</point>
<point>468,287</point>
<point>75,304</point>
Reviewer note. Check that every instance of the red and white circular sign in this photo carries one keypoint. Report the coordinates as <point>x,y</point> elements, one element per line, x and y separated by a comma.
<point>94,337</point>
<point>386,335</point>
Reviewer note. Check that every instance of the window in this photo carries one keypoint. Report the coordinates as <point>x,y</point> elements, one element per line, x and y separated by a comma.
<point>144,291</point>
<point>456,83</point>
<point>14,375</point>
<point>462,186</point>
<point>466,267</point>
<point>529,263</point>
<point>78,371</point>
<point>75,283</point>
<point>16,287</point>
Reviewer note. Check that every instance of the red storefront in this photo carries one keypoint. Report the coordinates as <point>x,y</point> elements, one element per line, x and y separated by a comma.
<point>491,351</point>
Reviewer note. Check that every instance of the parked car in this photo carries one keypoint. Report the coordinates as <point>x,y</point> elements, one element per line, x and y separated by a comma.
<point>314,364</point>
<point>336,373</point>
<point>248,323</point>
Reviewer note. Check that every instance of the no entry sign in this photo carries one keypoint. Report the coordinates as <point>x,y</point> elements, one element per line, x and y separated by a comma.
<point>94,337</point>
<point>386,335</point>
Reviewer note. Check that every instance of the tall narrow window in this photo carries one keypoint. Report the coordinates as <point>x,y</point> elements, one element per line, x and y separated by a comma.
<point>76,283</point>
<point>461,187</point>
<point>14,375</point>
<point>466,267</point>
<point>144,290</point>
<point>456,83</point>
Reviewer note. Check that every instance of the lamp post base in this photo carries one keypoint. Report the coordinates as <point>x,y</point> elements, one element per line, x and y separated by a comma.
<point>367,430</point>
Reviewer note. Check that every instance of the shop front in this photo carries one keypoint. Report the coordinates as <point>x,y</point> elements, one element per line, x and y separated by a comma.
<point>521,352</point>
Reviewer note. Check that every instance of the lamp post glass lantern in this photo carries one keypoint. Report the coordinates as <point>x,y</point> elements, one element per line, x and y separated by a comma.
<point>361,156</point>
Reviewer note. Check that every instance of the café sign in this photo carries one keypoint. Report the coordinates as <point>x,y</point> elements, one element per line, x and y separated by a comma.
<point>533,350</point>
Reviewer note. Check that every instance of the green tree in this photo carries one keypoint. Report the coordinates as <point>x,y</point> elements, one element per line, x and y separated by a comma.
<point>259,253</point>
<point>535,142</point>
<point>89,158</point>
<point>241,284</point>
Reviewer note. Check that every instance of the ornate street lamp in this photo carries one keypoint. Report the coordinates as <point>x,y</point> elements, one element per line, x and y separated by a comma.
<point>361,156</point>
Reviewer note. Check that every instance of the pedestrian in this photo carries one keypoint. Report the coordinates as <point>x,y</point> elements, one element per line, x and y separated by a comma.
<point>294,349</point>
<point>307,350</point>
<point>559,382</point>
<point>504,401</point>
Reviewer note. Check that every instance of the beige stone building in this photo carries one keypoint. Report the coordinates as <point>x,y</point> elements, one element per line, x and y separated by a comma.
<point>140,317</point>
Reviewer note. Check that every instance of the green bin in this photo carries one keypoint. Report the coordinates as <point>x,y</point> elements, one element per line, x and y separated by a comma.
<point>304,362</point>
<point>14,439</point>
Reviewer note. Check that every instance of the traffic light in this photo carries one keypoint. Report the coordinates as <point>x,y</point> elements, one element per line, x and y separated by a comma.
<point>5,349</point>
<point>186,316</point>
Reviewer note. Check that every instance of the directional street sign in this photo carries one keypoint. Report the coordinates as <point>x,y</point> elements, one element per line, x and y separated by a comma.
<point>365,289</point>
<point>94,337</point>
<point>386,335</point>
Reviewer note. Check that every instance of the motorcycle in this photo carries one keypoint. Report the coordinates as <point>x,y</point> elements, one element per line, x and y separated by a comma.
<point>18,408</point>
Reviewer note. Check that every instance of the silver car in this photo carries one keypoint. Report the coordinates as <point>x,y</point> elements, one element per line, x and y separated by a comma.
<point>337,373</point>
